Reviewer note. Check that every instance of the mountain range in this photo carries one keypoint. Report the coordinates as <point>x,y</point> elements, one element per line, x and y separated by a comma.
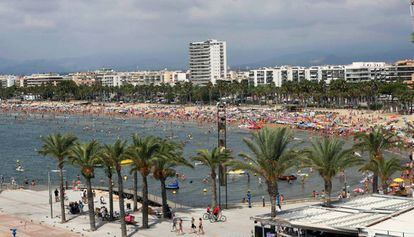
<point>132,61</point>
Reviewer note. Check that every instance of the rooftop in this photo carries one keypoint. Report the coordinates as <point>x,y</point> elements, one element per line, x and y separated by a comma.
<point>348,216</point>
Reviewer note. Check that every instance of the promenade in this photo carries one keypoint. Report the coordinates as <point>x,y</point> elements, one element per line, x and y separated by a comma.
<point>31,208</point>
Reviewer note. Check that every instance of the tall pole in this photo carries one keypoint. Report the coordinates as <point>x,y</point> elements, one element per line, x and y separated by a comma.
<point>221,142</point>
<point>50,194</point>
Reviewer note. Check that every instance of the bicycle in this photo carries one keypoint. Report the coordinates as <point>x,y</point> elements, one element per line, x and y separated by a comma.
<point>221,218</point>
<point>207,216</point>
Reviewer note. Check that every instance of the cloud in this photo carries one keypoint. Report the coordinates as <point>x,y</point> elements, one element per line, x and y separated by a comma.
<point>163,28</point>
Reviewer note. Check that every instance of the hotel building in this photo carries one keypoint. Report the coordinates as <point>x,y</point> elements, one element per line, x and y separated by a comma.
<point>207,61</point>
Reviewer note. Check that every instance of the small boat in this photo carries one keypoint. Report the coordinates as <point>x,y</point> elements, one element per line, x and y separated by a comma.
<point>173,185</point>
<point>198,163</point>
<point>287,177</point>
<point>236,172</point>
<point>19,167</point>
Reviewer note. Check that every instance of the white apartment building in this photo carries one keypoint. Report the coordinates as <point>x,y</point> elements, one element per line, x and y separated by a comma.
<point>264,76</point>
<point>238,76</point>
<point>7,80</point>
<point>145,78</point>
<point>277,75</point>
<point>325,73</point>
<point>180,77</point>
<point>366,71</point>
<point>207,61</point>
<point>42,79</point>
<point>107,79</point>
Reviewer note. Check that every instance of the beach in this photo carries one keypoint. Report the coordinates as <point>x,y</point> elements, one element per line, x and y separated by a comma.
<point>340,122</point>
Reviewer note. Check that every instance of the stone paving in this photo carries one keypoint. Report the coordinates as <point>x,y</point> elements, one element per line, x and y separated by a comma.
<point>29,212</point>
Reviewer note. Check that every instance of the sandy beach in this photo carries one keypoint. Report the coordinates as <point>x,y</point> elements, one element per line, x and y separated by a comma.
<point>338,122</point>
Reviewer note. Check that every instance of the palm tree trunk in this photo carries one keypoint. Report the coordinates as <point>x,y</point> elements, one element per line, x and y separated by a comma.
<point>135,190</point>
<point>213,189</point>
<point>272,189</point>
<point>375,183</point>
<point>111,197</point>
<point>121,204</point>
<point>164,198</point>
<point>90,204</point>
<point>62,196</point>
<point>145,202</point>
<point>328,189</point>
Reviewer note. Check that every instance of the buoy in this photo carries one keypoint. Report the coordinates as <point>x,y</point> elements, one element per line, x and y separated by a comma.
<point>205,190</point>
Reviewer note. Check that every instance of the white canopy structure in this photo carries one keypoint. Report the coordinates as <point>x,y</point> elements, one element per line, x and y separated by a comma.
<point>367,215</point>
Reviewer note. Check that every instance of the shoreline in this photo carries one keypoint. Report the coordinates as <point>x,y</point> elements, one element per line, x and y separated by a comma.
<point>343,123</point>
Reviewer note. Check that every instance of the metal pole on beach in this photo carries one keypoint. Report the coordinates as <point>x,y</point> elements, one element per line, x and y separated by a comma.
<point>50,194</point>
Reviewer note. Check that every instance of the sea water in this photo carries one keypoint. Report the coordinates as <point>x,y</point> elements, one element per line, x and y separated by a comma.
<point>20,138</point>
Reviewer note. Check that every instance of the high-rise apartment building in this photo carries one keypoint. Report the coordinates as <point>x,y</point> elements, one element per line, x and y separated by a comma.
<point>208,61</point>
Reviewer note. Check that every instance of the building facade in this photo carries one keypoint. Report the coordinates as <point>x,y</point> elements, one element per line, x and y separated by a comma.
<point>7,81</point>
<point>366,71</point>
<point>207,61</point>
<point>42,79</point>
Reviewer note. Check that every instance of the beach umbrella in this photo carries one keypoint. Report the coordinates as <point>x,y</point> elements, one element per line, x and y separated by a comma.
<point>358,190</point>
<point>398,180</point>
<point>394,185</point>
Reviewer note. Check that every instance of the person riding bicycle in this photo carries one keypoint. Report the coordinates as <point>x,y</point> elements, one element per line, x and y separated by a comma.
<point>216,211</point>
<point>208,209</point>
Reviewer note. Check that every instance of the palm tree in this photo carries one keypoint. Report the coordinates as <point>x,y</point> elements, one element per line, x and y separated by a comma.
<point>142,151</point>
<point>213,160</point>
<point>85,156</point>
<point>58,146</point>
<point>328,157</point>
<point>271,158</point>
<point>116,154</point>
<point>385,168</point>
<point>167,158</point>
<point>108,166</point>
<point>375,142</point>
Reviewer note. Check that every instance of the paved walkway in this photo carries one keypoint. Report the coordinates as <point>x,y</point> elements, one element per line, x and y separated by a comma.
<point>21,207</point>
<point>27,228</point>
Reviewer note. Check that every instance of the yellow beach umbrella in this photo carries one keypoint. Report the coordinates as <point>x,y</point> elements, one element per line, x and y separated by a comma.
<point>398,180</point>
<point>126,162</point>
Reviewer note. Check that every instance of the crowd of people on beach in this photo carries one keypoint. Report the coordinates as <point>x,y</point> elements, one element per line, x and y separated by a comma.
<point>342,123</point>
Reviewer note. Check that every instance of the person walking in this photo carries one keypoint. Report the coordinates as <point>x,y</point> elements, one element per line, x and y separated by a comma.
<point>56,195</point>
<point>180,227</point>
<point>200,226</point>
<point>193,226</point>
<point>174,224</point>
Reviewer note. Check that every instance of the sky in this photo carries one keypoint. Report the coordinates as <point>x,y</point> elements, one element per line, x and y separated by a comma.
<point>255,30</point>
